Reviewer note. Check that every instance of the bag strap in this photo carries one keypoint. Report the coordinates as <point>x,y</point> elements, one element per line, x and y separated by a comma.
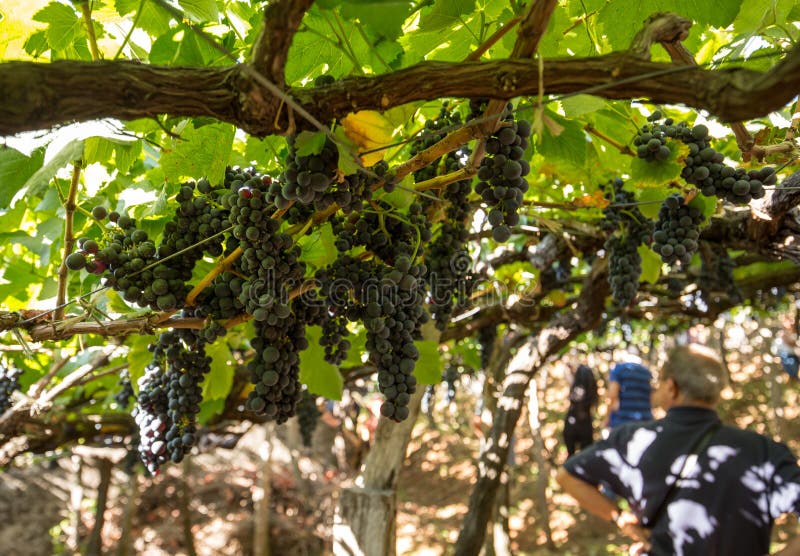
<point>696,449</point>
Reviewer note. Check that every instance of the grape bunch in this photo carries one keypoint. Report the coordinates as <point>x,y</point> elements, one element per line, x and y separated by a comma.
<point>487,335</point>
<point>156,276</point>
<point>311,180</point>
<point>622,213</point>
<point>450,377</point>
<point>624,268</point>
<point>271,263</point>
<point>677,230</point>
<point>435,130</point>
<point>169,398</point>
<point>447,258</point>
<point>9,383</point>
<point>703,166</point>
<point>125,393</point>
<point>307,416</point>
<point>629,228</point>
<point>502,174</point>
<point>151,417</point>
<point>307,178</point>
<point>386,292</point>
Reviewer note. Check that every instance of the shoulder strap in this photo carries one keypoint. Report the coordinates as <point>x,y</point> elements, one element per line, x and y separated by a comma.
<point>696,449</point>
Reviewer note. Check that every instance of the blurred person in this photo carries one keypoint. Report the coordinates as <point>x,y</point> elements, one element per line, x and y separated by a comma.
<point>578,429</point>
<point>785,346</point>
<point>693,485</point>
<point>629,391</point>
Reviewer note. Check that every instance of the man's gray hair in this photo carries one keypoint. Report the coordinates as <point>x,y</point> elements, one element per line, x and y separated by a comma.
<point>698,372</point>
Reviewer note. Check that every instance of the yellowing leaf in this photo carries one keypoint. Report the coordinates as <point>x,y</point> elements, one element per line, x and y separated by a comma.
<point>595,200</point>
<point>369,130</point>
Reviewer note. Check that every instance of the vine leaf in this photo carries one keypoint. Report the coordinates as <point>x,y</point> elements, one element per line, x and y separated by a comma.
<point>15,170</point>
<point>38,183</point>
<point>199,152</point>
<point>651,265</point>
<point>217,383</point>
<point>347,162</point>
<point>309,142</point>
<point>429,366</point>
<point>318,249</point>
<point>317,374</point>
<point>368,130</point>
<point>63,25</point>
<point>592,200</point>
<point>200,10</point>
<point>650,198</point>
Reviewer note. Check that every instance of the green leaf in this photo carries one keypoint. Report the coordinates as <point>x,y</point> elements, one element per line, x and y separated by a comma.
<point>138,357</point>
<point>153,19</point>
<point>199,152</point>
<point>15,170</point>
<point>402,197</point>
<point>210,409</point>
<point>347,161</point>
<point>563,140</point>
<point>38,183</point>
<point>706,205</point>
<point>97,149</point>
<point>358,346</point>
<point>655,174</point>
<point>63,25</point>
<point>385,17</point>
<point>36,44</point>
<point>218,382</point>
<point>429,366</point>
<point>310,142</point>
<point>446,13</point>
<point>623,18</point>
<point>579,105</point>
<point>754,16</point>
<point>318,375</point>
<point>317,248</point>
<point>200,10</point>
<point>651,265</point>
<point>651,199</point>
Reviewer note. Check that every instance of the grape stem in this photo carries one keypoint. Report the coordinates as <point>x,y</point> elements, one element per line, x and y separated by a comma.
<point>624,149</point>
<point>86,10</point>
<point>444,180</point>
<point>69,241</point>
<point>221,267</point>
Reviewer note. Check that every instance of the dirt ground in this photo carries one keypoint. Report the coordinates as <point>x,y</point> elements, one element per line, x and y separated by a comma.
<point>47,505</point>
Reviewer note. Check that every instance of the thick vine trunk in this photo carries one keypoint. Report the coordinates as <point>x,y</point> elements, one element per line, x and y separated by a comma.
<point>521,368</point>
<point>39,96</point>
<point>94,545</point>
<point>365,516</point>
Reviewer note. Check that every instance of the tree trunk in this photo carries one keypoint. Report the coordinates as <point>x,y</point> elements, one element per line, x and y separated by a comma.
<point>186,515</point>
<point>521,368</point>
<point>94,546</point>
<point>124,546</point>
<point>262,497</point>
<point>73,532</point>
<point>365,516</point>
<point>542,467</point>
<point>498,539</point>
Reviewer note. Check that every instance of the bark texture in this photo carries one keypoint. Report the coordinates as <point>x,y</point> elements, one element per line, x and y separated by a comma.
<point>39,96</point>
<point>520,370</point>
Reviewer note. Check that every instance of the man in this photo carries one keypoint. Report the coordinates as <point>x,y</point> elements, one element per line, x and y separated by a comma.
<point>725,497</point>
<point>629,392</point>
